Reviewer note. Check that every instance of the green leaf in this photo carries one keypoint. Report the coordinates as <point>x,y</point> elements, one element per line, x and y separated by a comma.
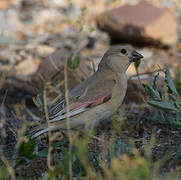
<point>176,121</point>
<point>170,83</point>
<point>155,81</point>
<point>152,93</point>
<point>177,81</point>
<point>44,152</point>
<point>137,63</point>
<point>26,149</point>
<point>73,62</point>
<point>163,105</point>
<point>60,143</point>
<point>172,98</point>
<point>159,118</point>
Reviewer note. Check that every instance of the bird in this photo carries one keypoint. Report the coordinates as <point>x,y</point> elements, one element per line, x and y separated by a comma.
<point>96,98</point>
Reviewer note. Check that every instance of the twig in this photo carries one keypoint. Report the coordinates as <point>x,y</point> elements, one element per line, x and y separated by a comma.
<point>147,73</point>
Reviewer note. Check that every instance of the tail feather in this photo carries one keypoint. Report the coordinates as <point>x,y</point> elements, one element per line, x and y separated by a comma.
<point>37,131</point>
<point>83,120</point>
<point>40,132</point>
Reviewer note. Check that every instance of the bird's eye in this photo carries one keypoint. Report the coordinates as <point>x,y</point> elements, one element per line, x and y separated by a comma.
<point>123,51</point>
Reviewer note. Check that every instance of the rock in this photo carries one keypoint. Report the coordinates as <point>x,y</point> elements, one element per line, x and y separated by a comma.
<point>31,77</point>
<point>26,67</point>
<point>139,24</point>
<point>52,70</point>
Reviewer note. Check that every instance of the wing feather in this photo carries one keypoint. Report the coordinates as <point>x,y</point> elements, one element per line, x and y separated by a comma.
<point>79,107</point>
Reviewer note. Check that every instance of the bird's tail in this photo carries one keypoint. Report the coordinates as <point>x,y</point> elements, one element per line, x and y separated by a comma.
<point>42,131</point>
<point>37,131</point>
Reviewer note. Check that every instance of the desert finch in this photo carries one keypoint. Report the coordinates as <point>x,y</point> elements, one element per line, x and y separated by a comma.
<point>98,97</point>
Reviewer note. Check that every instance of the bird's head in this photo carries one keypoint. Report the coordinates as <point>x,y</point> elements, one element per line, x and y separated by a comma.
<point>118,58</point>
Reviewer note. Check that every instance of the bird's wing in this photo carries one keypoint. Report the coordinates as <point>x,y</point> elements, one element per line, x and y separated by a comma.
<point>76,93</point>
<point>88,94</point>
<point>79,106</point>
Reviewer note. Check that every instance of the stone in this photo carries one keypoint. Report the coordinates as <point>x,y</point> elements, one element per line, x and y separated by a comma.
<point>143,23</point>
<point>51,70</point>
<point>32,77</point>
<point>26,67</point>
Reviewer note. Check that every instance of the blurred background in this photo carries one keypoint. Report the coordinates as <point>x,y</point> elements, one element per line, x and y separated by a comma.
<point>33,29</point>
<point>38,36</point>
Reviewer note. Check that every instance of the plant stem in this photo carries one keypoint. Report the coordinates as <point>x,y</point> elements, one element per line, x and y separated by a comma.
<point>68,122</point>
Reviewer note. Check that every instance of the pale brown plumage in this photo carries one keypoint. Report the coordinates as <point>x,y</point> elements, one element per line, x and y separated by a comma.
<point>99,96</point>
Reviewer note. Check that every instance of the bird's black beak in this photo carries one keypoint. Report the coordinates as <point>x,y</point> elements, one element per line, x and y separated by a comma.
<point>135,56</point>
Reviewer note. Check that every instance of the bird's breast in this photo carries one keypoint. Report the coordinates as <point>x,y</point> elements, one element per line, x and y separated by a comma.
<point>119,90</point>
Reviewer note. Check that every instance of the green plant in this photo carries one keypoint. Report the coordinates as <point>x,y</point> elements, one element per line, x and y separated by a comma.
<point>177,80</point>
<point>169,105</point>
<point>73,62</point>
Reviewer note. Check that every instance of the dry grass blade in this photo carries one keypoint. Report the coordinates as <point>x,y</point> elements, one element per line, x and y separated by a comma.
<point>67,121</point>
<point>49,132</point>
